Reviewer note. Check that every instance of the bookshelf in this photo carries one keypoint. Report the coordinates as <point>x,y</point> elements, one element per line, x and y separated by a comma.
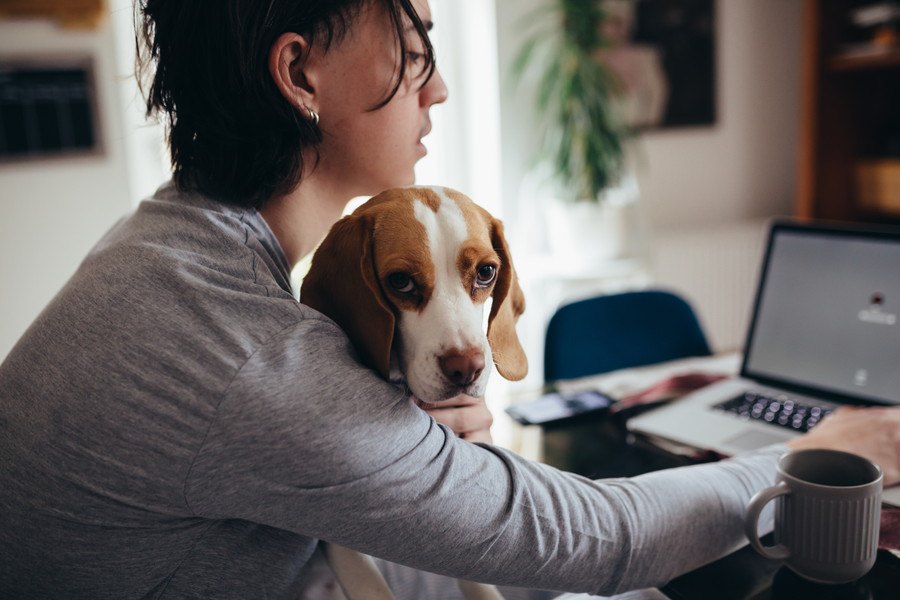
<point>849,158</point>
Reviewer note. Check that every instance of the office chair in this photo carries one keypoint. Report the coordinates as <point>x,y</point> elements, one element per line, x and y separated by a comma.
<point>603,334</point>
<point>618,331</point>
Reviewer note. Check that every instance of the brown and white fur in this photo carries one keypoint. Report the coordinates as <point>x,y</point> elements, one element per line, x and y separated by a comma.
<point>407,277</point>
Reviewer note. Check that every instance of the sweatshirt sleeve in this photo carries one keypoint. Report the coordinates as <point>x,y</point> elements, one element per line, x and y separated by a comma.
<point>306,440</point>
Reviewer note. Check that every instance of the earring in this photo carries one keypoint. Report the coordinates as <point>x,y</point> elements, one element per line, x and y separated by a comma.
<point>313,115</point>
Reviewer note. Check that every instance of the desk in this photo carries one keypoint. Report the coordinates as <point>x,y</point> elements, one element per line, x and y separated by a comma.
<point>598,447</point>
<point>742,575</point>
<point>745,575</point>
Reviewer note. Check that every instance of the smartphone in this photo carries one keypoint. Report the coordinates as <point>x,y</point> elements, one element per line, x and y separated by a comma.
<point>558,406</point>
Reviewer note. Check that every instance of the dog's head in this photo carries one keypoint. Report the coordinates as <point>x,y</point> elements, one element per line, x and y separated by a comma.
<point>407,275</point>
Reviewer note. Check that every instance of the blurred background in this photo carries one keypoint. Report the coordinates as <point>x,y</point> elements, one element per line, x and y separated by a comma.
<point>728,113</point>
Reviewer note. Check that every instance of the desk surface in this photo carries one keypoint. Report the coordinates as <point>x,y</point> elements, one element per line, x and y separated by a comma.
<point>743,575</point>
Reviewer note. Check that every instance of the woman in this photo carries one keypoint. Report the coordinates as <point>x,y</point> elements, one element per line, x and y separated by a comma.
<point>177,425</point>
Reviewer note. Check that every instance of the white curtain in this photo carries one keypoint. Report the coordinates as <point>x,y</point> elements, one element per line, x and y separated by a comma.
<point>464,146</point>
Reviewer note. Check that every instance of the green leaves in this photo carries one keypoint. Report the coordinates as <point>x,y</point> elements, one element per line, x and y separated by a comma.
<point>580,135</point>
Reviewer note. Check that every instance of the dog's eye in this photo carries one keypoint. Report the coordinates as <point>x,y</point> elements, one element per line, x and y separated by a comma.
<point>401,282</point>
<point>485,275</point>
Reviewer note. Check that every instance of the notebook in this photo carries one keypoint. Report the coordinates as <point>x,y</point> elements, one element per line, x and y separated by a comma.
<point>825,332</point>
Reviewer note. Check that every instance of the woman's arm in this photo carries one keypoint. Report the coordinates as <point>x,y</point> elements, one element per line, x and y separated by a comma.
<point>308,441</point>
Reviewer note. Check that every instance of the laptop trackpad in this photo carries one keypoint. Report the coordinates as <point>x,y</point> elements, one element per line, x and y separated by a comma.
<point>751,440</point>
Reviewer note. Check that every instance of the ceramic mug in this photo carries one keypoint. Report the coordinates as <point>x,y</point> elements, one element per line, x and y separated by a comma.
<point>827,515</point>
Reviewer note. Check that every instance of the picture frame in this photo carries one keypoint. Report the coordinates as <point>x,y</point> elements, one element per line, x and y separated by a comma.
<point>48,108</point>
<point>663,56</point>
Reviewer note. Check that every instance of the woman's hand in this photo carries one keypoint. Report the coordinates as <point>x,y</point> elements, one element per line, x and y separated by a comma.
<point>870,432</point>
<point>467,416</point>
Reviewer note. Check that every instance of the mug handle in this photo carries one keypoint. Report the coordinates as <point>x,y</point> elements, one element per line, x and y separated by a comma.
<point>751,523</point>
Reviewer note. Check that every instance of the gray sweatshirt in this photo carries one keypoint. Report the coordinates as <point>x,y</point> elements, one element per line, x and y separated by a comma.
<point>176,425</point>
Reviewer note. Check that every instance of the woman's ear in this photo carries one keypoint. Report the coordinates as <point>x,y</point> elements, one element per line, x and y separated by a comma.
<point>290,68</point>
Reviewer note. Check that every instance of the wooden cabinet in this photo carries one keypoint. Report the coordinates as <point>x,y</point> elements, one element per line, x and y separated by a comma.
<point>849,162</point>
<point>70,13</point>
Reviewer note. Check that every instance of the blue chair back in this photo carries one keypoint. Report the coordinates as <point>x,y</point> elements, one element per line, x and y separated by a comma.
<point>619,331</point>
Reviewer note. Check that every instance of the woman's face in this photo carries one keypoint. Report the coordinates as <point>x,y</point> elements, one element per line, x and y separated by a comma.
<point>363,150</point>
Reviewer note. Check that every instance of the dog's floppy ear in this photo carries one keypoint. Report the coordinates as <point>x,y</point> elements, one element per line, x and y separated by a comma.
<point>508,304</point>
<point>342,284</point>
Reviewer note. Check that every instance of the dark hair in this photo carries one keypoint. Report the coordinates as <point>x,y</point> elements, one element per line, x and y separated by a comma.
<point>231,133</point>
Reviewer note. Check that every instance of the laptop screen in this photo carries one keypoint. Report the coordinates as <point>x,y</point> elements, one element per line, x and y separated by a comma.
<point>827,315</point>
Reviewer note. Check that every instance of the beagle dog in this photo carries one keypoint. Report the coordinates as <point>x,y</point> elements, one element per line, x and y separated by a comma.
<point>407,276</point>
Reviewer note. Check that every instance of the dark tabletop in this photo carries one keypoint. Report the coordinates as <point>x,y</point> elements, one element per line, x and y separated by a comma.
<point>745,575</point>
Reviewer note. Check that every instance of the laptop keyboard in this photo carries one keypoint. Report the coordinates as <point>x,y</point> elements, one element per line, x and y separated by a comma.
<point>776,410</point>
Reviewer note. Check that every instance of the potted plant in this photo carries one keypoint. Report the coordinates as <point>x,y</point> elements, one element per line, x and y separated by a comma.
<point>581,148</point>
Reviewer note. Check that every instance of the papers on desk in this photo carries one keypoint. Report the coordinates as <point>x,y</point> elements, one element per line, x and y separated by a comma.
<point>626,382</point>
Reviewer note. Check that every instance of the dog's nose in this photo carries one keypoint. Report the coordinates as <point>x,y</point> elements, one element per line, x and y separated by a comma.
<point>462,368</point>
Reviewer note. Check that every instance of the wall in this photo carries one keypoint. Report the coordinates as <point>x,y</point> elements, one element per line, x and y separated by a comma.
<point>53,211</point>
<point>743,166</point>
<point>704,189</point>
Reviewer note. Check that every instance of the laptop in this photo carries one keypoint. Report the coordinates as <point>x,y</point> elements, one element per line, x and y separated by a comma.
<point>825,332</point>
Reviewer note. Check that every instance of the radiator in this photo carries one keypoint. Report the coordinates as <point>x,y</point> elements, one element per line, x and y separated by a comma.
<point>716,270</point>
